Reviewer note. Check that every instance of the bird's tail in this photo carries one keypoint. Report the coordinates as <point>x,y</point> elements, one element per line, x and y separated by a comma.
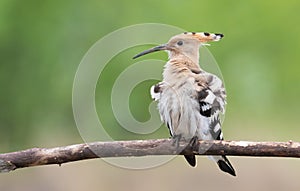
<point>224,164</point>
<point>191,159</point>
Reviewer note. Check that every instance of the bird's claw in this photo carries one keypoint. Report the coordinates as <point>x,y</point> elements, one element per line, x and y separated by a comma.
<point>194,143</point>
<point>176,139</point>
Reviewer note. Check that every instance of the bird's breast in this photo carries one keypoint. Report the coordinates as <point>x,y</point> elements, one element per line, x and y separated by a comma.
<point>180,110</point>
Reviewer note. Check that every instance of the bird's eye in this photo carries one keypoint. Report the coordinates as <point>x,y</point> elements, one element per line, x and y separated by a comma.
<point>179,43</point>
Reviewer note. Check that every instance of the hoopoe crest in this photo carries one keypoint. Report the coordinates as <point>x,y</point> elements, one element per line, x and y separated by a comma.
<point>190,100</point>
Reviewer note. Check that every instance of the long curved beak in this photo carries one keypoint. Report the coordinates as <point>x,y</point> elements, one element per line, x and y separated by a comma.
<point>154,49</point>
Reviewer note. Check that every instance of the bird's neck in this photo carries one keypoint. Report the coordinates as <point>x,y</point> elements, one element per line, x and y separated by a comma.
<point>181,61</point>
<point>179,68</point>
<point>192,56</point>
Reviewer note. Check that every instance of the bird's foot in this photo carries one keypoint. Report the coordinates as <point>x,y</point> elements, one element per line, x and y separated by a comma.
<point>194,143</point>
<point>176,139</point>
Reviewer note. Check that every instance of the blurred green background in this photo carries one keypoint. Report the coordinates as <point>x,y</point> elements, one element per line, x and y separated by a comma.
<point>43,42</point>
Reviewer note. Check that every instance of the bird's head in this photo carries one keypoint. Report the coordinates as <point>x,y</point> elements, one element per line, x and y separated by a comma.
<point>186,44</point>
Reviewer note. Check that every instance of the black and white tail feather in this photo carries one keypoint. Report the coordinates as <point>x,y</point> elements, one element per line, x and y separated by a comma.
<point>211,97</point>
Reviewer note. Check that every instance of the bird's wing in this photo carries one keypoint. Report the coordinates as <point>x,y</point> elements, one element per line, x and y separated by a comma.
<point>156,91</point>
<point>212,99</point>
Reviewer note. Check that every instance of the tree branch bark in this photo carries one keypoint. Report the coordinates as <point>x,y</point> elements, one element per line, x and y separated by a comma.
<point>137,148</point>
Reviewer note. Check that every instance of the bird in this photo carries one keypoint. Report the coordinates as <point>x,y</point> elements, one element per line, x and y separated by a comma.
<point>189,99</point>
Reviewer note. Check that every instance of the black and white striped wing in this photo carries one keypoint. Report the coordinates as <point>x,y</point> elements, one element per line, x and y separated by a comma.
<point>212,100</point>
<point>156,91</point>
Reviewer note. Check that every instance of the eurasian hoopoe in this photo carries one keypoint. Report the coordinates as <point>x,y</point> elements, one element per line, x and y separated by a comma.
<point>190,100</point>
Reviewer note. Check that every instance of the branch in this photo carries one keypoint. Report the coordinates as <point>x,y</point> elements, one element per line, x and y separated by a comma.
<point>137,148</point>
